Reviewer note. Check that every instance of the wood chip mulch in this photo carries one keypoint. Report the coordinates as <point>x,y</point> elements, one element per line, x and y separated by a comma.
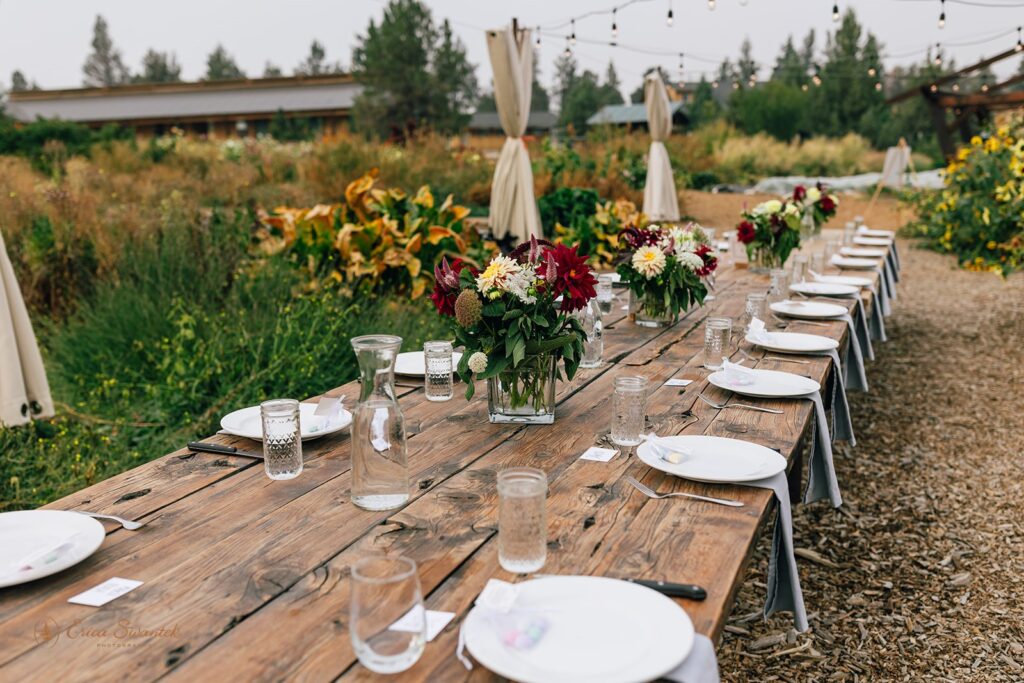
<point>920,575</point>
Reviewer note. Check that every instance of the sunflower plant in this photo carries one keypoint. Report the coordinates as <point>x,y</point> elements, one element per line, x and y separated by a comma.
<point>979,214</point>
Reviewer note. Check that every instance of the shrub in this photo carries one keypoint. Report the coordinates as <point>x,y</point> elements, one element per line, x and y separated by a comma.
<point>567,206</point>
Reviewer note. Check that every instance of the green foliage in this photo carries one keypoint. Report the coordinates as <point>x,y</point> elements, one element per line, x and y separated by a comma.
<point>414,75</point>
<point>103,67</point>
<point>567,206</point>
<point>775,108</point>
<point>291,129</point>
<point>979,216</point>
<point>159,67</point>
<point>48,143</point>
<point>221,66</point>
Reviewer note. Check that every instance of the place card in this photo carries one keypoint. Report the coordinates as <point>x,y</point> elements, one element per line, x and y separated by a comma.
<point>105,592</point>
<point>599,454</point>
<point>410,622</point>
<point>678,382</point>
<point>328,407</point>
<point>498,595</point>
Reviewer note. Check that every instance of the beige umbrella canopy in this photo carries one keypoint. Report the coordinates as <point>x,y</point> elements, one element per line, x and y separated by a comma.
<point>24,391</point>
<point>513,207</point>
<point>660,200</point>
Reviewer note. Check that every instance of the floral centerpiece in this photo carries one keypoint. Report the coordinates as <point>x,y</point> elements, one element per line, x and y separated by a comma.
<point>663,268</point>
<point>817,206</point>
<point>770,232</point>
<point>515,320</point>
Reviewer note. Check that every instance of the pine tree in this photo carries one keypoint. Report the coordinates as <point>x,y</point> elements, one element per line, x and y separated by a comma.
<point>18,82</point>
<point>539,100</point>
<point>103,67</point>
<point>746,66</point>
<point>565,76</point>
<point>316,63</point>
<point>272,71</point>
<point>611,90</point>
<point>789,67</point>
<point>159,67</point>
<point>221,66</point>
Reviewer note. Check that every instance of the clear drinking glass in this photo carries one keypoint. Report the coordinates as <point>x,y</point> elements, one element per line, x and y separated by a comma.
<point>756,307</point>
<point>437,355</point>
<point>817,262</point>
<point>858,221</point>
<point>831,249</point>
<point>710,234</point>
<point>593,346</point>
<point>779,288</point>
<point>799,269</point>
<point>717,339</point>
<point>282,438</point>
<point>849,232</point>
<point>384,590</point>
<point>380,469</point>
<point>630,406</point>
<point>522,519</point>
<point>605,293</point>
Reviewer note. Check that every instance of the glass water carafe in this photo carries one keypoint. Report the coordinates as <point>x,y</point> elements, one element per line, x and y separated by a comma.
<point>380,468</point>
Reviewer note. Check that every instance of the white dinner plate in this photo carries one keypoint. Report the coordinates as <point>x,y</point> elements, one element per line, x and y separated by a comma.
<point>861,252</point>
<point>854,263</point>
<point>851,280</point>
<point>598,630</point>
<point>247,422</point>
<point>767,384</point>
<point>824,289</point>
<point>37,543</point>
<point>872,241</point>
<point>715,459</point>
<point>876,233</point>
<point>810,310</point>
<point>615,277</point>
<point>413,364</point>
<point>794,342</point>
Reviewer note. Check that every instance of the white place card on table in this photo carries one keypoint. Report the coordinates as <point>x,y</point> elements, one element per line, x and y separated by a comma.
<point>599,454</point>
<point>105,592</point>
<point>410,623</point>
<point>678,382</point>
<point>498,595</point>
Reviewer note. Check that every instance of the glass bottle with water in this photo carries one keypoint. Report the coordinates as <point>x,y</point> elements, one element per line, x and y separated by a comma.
<point>380,468</point>
<point>593,346</point>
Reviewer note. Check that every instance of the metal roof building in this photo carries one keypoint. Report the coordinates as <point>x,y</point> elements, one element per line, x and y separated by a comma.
<point>634,115</point>
<point>488,122</point>
<point>206,107</point>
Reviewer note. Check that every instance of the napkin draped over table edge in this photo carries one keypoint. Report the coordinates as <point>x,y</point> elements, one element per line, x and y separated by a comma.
<point>700,666</point>
<point>821,472</point>
<point>842,423</point>
<point>859,381</point>
<point>784,591</point>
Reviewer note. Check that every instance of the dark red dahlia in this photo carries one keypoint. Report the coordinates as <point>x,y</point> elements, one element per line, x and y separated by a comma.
<point>446,286</point>
<point>826,204</point>
<point>799,192</point>
<point>710,260</point>
<point>639,237</point>
<point>574,280</point>
<point>529,252</point>
<point>745,232</point>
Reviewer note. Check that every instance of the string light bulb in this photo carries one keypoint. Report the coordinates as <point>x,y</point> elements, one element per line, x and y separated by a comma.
<point>1020,45</point>
<point>878,86</point>
<point>711,8</point>
<point>572,36</point>
<point>956,87</point>
<point>680,66</point>
<point>938,54</point>
<point>735,85</point>
<point>568,51</point>
<point>615,25</point>
<point>984,87</point>
<point>537,42</point>
<point>714,84</point>
<point>835,12</point>
<point>942,14</point>
<point>934,88</point>
<point>668,19</point>
<point>804,87</point>
<point>871,71</point>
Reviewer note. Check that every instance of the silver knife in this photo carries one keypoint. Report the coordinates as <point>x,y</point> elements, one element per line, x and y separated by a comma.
<point>220,449</point>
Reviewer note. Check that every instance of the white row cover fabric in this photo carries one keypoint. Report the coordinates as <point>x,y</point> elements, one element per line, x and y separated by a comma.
<point>513,206</point>
<point>660,200</point>
<point>24,391</point>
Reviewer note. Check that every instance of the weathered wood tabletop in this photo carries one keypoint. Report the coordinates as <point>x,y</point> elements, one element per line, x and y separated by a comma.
<point>247,578</point>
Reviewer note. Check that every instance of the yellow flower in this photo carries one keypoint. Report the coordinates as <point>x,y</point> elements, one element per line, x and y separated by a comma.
<point>992,145</point>
<point>985,218</point>
<point>991,244</point>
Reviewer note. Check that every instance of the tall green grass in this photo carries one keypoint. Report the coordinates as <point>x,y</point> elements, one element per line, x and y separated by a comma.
<point>185,330</point>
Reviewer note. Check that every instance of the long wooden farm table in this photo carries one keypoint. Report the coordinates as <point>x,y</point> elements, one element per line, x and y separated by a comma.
<point>247,578</point>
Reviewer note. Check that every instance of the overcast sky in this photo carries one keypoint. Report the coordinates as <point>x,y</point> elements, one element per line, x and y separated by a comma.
<point>49,39</point>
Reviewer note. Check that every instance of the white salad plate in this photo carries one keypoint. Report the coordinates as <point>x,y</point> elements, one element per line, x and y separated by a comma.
<point>810,310</point>
<point>876,233</point>
<point>714,459</point>
<point>38,543</point>
<point>794,342</point>
<point>414,364</point>
<point>824,289</point>
<point>862,252</point>
<point>872,241</point>
<point>851,280</point>
<point>593,630</point>
<point>854,263</point>
<point>248,423</point>
<point>765,383</point>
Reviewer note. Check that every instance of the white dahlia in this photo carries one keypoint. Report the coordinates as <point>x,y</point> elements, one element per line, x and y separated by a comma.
<point>649,261</point>
<point>690,261</point>
<point>497,274</point>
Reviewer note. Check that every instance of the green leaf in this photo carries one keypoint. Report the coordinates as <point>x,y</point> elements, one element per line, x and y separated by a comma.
<point>512,314</point>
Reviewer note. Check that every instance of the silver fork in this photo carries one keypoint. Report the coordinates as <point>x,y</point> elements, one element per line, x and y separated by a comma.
<point>722,406</point>
<point>651,493</point>
<point>126,523</point>
<point>799,320</point>
<point>775,358</point>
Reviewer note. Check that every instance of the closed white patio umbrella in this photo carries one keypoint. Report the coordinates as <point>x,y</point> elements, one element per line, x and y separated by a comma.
<point>513,207</point>
<point>24,391</point>
<point>660,200</point>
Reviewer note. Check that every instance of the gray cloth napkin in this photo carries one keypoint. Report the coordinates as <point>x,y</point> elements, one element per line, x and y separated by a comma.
<point>821,473</point>
<point>863,333</point>
<point>700,666</point>
<point>887,276</point>
<point>860,380</point>
<point>842,425</point>
<point>896,255</point>
<point>890,261</point>
<point>783,580</point>
<point>883,293</point>
<point>877,322</point>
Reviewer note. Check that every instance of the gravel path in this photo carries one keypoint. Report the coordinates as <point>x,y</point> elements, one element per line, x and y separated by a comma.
<point>920,575</point>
